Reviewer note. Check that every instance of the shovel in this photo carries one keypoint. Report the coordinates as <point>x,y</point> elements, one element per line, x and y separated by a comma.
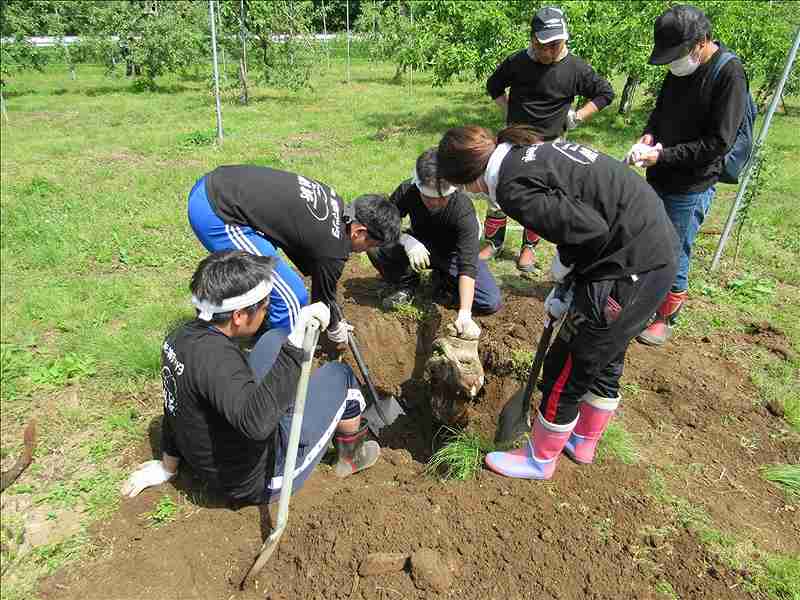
<point>515,418</point>
<point>381,411</point>
<point>309,344</point>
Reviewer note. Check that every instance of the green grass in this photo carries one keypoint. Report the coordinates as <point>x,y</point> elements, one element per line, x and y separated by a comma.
<point>461,457</point>
<point>617,443</point>
<point>165,511</point>
<point>521,363</point>
<point>786,477</point>
<point>665,590</point>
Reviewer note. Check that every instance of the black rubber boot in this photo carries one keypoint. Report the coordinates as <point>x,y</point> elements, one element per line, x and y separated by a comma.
<point>356,453</point>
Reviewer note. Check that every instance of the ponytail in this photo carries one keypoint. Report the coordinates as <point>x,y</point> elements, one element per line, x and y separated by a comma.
<point>519,135</point>
<point>464,152</point>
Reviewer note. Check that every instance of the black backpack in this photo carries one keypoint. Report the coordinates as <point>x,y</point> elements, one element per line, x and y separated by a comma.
<point>737,157</point>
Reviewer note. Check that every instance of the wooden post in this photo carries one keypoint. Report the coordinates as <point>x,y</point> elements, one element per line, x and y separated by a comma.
<point>347,13</point>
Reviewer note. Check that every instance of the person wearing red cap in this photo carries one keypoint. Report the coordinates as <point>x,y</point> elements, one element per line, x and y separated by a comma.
<point>683,146</point>
<point>542,82</point>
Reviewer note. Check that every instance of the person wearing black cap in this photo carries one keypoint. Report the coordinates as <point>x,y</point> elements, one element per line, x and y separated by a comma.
<point>543,81</point>
<point>258,210</point>
<point>692,127</point>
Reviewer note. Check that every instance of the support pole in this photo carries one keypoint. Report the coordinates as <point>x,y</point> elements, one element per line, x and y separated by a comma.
<point>748,168</point>
<point>220,134</point>
<point>347,12</point>
<point>411,69</point>
<point>3,106</point>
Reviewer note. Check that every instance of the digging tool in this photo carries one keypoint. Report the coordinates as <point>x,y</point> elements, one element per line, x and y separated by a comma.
<point>309,344</point>
<point>381,411</point>
<point>515,418</point>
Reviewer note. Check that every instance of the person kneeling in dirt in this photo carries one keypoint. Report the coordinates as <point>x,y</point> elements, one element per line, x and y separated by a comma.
<point>259,210</point>
<point>444,236</point>
<point>228,415</point>
<point>614,242</point>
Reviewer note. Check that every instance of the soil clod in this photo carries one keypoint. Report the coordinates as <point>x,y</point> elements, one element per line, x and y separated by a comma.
<point>380,563</point>
<point>429,571</point>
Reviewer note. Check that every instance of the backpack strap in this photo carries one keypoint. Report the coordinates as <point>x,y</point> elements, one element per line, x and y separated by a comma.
<point>723,60</point>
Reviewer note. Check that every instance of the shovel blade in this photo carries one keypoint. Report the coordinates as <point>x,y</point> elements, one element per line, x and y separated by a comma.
<point>514,420</point>
<point>382,413</point>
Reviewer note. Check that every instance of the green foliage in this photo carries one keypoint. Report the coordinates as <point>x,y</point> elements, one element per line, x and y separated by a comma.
<point>165,511</point>
<point>460,457</point>
<point>787,477</point>
<point>750,289</point>
<point>521,362</point>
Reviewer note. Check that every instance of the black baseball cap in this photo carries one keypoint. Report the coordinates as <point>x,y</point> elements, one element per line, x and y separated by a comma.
<point>674,33</point>
<point>549,24</point>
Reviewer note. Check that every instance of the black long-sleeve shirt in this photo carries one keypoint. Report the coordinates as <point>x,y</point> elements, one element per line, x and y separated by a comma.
<point>302,217</point>
<point>216,416</point>
<point>604,218</point>
<point>541,95</point>
<point>453,229</point>
<point>696,123</point>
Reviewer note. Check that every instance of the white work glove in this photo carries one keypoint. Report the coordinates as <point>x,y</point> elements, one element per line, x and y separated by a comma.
<point>558,270</point>
<point>637,151</point>
<point>572,119</point>
<point>146,475</point>
<point>417,253</point>
<point>340,335</point>
<point>318,311</point>
<point>555,307</point>
<point>466,327</point>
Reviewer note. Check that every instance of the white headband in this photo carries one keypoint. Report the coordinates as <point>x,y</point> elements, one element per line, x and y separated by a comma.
<point>208,310</point>
<point>430,191</point>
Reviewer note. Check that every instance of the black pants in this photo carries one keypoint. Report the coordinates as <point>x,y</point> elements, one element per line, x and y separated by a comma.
<point>589,352</point>
<point>392,263</point>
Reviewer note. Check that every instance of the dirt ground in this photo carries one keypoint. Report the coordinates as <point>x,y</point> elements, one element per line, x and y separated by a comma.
<point>596,532</point>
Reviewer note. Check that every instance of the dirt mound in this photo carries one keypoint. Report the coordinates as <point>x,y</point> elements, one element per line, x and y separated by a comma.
<point>597,532</point>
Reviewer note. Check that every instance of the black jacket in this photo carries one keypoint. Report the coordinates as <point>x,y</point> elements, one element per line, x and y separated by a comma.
<point>604,218</point>
<point>696,123</point>
<point>453,229</point>
<point>300,216</point>
<point>541,95</point>
<point>216,417</point>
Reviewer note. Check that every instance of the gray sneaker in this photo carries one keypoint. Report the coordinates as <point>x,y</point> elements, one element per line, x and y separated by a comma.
<point>397,297</point>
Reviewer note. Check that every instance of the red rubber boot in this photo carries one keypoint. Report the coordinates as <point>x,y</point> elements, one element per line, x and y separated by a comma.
<point>657,333</point>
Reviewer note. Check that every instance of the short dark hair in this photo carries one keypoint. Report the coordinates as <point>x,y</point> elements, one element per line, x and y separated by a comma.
<point>379,216</point>
<point>693,22</point>
<point>230,273</point>
<point>428,171</point>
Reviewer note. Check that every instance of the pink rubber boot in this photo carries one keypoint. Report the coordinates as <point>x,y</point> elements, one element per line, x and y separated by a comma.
<point>537,459</point>
<point>595,414</point>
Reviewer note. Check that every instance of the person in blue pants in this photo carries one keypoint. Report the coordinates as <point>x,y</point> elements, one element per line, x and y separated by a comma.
<point>228,416</point>
<point>260,210</point>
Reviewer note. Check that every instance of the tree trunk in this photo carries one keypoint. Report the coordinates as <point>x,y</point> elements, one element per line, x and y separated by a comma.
<point>243,96</point>
<point>628,93</point>
<point>3,106</point>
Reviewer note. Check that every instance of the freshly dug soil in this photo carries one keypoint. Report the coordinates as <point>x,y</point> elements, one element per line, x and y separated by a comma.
<point>593,532</point>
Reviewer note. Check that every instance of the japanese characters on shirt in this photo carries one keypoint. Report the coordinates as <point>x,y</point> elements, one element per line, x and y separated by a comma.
<point>575,152</point>
<point>320,204</point>
<point>169,384</point>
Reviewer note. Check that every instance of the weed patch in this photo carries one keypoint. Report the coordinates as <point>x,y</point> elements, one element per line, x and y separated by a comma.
<point>165,511</point>
<point>786,477</point>
<point>617,443</point>
<point>460,457</point>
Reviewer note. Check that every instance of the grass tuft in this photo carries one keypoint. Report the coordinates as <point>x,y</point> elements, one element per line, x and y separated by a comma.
<point>617,443</point>
<point>786,477</point>
<point>165,511</point>
<point>461,457</point>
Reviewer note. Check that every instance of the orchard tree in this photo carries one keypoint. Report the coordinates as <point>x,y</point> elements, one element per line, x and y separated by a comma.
<point>17,54</point>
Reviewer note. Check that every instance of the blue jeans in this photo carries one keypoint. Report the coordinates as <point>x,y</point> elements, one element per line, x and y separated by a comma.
<point>687,213</point>
<point>333,394</point>
<point>288,295</point>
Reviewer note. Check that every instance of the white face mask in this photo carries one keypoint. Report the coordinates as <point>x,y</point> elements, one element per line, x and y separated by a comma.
<point>684,66</point>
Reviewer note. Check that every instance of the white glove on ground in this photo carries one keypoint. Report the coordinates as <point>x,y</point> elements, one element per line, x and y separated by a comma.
<point>633,157</point>
<point>146,475</point>
<point>558,270</point>
<point>555,307</point>
<point>417,253</point>
<point>340,335</point>
<point>572,119</point>
<point>466,327</point>
<point>318,311</point>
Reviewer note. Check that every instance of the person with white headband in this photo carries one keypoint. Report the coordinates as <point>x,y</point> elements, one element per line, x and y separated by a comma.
<point>259,210</point>
<point>228,415</point>
<point>444,236</point>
